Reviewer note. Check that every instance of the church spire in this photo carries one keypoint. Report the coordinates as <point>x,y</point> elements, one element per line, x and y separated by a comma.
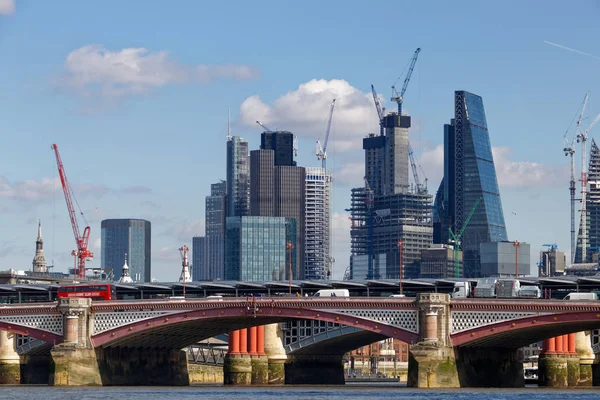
<point>39,261</point>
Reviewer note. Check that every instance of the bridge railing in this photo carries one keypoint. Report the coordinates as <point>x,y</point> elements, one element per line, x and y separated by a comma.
<point>206,354</point>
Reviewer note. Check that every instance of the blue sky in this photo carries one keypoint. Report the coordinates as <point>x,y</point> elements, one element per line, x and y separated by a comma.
<point>142,132</point>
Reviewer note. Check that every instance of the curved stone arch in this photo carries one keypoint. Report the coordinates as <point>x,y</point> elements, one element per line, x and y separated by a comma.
<point>40,334</point>
<point>264,315</point>
<point>523,331</point>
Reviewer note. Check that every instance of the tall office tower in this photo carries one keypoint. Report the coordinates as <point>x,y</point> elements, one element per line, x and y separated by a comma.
<point>238,177</point>
<point>593,209</point>
<point>317,225</point>
<point>278,191</point>
<point>386,211</point>
<point>131,237</point>
<point>262,169</point>
<point>256,249</point>
<point>386,156</point>
<point>39,261</point>
<point>282,143</point>
<point>469,175</point>
<point>215,213</point>
<point>199,271</point>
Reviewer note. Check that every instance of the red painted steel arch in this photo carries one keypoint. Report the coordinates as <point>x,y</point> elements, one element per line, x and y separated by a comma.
<point>45,336</point>
<point>567,322</point>
<point>278,313</point>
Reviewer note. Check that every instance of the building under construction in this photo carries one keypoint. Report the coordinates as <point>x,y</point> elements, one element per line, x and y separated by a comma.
<point>389,217</point>
<point>592,210</point>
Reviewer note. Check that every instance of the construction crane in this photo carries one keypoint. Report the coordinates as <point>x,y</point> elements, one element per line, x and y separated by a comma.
<point>551,246</point>
<point>322,150</point>
<point>455,239</point>
<point>398,97</point>
<point>263,126</point>
<point>380,113</point>
<point>582,137</point>
<point>82,253</point>
<point>569,150</point>
<point>380,109</point>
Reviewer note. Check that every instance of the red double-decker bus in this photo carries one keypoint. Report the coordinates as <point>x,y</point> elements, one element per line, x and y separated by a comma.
<point>92,291</point>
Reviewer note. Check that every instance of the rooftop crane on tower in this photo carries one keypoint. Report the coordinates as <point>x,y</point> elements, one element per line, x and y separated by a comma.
<point>322,150</point>
<point>398,97</point>
<point>582,137</point>
<point>295,140</point>
<point>83,254</point>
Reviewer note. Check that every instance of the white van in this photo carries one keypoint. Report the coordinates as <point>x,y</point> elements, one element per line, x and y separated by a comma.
<point>581,296</point>
<point>333,293</point>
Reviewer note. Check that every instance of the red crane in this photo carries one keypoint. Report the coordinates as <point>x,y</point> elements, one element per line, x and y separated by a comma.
<point>82,251</point>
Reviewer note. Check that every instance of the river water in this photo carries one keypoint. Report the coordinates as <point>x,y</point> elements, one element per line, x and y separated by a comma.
<point>346,392</point>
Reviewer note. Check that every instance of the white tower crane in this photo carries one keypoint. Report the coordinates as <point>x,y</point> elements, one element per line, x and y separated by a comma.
<point>322,150</point>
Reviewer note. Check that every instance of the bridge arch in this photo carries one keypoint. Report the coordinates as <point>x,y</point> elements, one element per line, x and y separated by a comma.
<point>187,327</point>
<point>521,332</point>
<point>40,334</point>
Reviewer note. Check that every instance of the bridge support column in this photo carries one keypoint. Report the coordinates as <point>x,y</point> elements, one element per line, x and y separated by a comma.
<point>74,362</point>
<point>275,352</point>
<point>237,366</point>
<point>432,361</point>
<point>260,362</point>
<point>583,348</point>
<point>10,363</point>
<point>552,365</point>
<point>314,370</point>
<point>573,362</point>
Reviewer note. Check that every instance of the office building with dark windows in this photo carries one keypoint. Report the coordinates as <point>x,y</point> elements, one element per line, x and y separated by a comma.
<point>216,209</point>
<point>279,191</point>
<point>199,270</point>
<point>238,177</point>
<point>127,236</point>
<point>282,144</point>
<point>261,249</point>
<point>469,178</point>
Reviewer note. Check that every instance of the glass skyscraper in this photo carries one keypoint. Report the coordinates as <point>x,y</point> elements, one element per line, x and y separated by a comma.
<point>238,177</point>
<point>131,237</point>
<point>469,174</point>
<point>256,248</point>
<point>199,271</point>
<point>215,231</point>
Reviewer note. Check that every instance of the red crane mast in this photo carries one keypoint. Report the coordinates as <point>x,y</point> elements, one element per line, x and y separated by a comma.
<point>83,253</point>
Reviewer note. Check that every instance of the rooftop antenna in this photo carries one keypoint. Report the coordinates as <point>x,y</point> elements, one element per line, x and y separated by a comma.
<point>228,124</point>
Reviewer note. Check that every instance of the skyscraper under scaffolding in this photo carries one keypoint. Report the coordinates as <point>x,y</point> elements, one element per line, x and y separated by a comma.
<point>387,211</point>
<point>593,209</point>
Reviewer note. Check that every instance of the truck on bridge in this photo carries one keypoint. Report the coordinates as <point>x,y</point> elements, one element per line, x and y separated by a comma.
<point>495,288</point>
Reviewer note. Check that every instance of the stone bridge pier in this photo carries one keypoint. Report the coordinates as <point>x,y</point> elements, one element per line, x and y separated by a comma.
<point>76,363</point>
<point>435,363</point>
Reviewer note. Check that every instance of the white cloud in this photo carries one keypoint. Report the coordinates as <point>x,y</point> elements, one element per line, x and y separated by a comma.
<point>523,174</point>
<point>94,70</point>
<point>7,7</point>
<point>305,110</point>
<point>29,190</point>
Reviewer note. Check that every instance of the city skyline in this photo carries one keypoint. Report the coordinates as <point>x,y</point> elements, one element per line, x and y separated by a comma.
<point>141,118</point>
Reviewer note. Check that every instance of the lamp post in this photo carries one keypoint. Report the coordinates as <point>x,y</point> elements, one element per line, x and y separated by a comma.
<point>290,247</point>
<point>400,259</point>
<point>516,244</point>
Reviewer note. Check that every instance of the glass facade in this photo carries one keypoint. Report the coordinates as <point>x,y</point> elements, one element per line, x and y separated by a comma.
<point>238,177</point>
<point>199,272</point>
<point>469,174</point>
<point>282,143</point>
<point>256,248</point>
<point>131,236</point>
<point>215,231</point>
